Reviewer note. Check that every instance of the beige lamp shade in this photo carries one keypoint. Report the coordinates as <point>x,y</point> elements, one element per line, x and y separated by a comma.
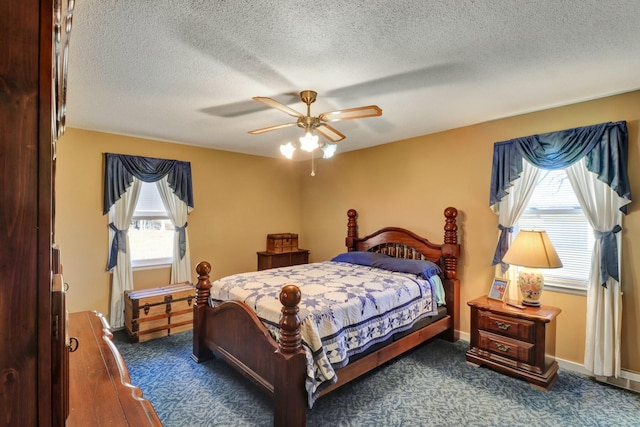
<point>533,249</point>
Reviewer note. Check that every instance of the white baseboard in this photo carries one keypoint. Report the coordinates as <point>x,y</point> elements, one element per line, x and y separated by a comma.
<point>628,379</point>
<point>572,366</point>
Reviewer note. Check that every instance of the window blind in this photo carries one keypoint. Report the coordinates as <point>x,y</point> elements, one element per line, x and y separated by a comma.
<point>149,205</point>
<point>554,208</point>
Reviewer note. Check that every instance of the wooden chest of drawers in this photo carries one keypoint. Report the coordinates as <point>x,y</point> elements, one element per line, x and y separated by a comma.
<point>100,389</point>
<point>268,260</point>
<point>158,312</point>
<point>514,341</point>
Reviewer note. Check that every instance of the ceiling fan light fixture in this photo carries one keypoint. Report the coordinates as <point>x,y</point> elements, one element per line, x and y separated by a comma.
<point>328,150</point>
<point>318,124</point>
<point>287,150</point>
<point>309,142</point>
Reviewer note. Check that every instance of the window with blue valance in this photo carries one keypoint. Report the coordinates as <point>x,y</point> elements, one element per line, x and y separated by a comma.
<point>120,170</point>
<point>604,146</point>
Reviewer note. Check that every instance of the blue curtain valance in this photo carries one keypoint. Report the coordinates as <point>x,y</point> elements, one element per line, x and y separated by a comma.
<point>120,170</point>
<point>604,146</point>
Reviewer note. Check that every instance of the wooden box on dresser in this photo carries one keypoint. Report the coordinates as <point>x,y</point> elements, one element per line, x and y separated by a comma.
<point>282,242</point>
<point>516,341</point>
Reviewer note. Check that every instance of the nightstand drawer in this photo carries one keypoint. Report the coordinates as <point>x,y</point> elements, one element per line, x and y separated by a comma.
<point>521,329</point>
<point>506,347</point>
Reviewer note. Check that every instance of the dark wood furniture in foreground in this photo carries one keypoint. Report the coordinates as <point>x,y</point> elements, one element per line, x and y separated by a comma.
<point>34,38</point>
<point>100,392</point>
<point>233,332</point>
<point>514,341</point>
<point>60,347</point>
<point>268,260</point>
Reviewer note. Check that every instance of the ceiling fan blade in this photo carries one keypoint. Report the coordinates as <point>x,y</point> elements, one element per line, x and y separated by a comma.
<point>284,125</point>
<point>351,113</point>
<point>278,106</point>
<point>330,133</point>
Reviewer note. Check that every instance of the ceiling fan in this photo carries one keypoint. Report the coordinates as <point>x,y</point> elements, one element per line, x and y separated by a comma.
<point>317,123</point>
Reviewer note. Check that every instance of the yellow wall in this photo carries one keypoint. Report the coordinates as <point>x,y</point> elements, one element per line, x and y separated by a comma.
<point>409,183</point>
<point>239,199</point>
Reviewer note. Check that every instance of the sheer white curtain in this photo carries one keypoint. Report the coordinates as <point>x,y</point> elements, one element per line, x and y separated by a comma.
<point>509,210</point>
<point>120,215</point>
<point>601,206</point>
<point>178,212</point>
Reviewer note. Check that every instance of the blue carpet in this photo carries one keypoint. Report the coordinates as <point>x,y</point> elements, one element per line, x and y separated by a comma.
<point>430,386</point>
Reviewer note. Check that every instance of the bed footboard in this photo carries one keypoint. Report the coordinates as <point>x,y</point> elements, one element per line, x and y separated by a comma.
<point>233,332</point>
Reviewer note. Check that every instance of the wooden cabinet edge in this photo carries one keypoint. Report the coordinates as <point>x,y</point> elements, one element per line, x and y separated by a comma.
<point>125,378</point>
<point>120,398</point>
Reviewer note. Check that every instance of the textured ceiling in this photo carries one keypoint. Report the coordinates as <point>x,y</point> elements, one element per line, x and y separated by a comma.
<point>185,71</point>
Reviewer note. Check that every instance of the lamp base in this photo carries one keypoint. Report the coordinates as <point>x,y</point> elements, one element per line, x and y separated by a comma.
<point>531,283</point>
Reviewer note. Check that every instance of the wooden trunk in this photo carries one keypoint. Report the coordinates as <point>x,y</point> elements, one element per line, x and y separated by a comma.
<point>159,312</point>
<point>282,242</point>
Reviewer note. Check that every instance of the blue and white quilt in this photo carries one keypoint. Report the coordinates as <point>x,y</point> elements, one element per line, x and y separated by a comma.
<point>345,308</point>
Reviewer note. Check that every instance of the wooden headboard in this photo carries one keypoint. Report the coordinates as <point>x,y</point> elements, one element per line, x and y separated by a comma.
<point>402,243</point>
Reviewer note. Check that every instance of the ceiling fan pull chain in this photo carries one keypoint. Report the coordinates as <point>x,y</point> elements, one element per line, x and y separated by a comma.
<point>313,165</point>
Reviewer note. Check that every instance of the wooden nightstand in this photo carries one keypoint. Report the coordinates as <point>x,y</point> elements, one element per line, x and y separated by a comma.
<point>514,341</point>
<point>268,260</point>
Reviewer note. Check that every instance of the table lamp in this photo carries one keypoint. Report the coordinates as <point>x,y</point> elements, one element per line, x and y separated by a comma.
<point>531,250</point>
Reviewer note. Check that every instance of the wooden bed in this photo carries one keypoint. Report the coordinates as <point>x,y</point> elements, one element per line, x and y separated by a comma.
<point>233,332</point>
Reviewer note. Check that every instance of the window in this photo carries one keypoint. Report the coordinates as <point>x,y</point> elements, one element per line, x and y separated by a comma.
<point>151,231</point>
<point>555,209</point>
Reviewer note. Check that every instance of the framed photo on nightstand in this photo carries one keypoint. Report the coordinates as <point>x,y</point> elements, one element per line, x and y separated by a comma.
<point>498,289</point>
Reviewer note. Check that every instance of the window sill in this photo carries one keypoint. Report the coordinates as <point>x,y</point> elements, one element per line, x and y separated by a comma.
<point>564,289</point>
<point>151,264</point>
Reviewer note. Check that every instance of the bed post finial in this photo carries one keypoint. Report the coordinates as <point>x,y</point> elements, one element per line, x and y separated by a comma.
<point>451,248</point>
<point>203,290</point>
<point>450,227</point>
<point>203,287</point>
<point>290,341</point>
<point>352,229</point>
<point>289,397</point>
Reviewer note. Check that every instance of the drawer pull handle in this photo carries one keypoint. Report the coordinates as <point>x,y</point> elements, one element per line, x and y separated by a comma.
<point>503,326</point>
<point>502,347</point>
